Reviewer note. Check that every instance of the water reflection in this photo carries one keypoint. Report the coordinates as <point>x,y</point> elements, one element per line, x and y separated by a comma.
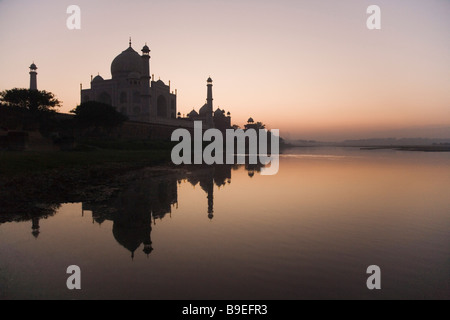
<point>35,215</point>
<point>135,207</point>
<point>137,202</point>
<point>323,219</point>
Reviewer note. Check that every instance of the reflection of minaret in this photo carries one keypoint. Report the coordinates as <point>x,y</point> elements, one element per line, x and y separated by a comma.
<point>33,77</point>
<point>211,201</point>
<point>148,241</point>
<point>35,227</point>
<point>207,184</point>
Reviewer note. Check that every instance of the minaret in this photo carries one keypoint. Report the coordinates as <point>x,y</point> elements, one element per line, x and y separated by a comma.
<point>145,82</point>
<point>33,77</point>
<point>209,103</point>
<point>146,66</point>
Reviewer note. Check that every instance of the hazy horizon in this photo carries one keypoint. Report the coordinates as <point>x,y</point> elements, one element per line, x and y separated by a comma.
<point>311,69</point>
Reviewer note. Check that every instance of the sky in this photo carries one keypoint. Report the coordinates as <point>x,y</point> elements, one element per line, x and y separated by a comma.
<point>309,68</point>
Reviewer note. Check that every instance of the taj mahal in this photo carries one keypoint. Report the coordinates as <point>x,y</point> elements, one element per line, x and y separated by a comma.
<point>133,91</point>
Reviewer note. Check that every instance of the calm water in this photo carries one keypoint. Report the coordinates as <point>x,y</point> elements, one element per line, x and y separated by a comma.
<point>310,231</point>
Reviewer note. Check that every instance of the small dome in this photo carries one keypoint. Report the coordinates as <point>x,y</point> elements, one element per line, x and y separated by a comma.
<point>160,82</point>
<point>209,80</point>
<point>219,113</point>
<point>33,66</point>
<point>146,49</point>
<point>228,113</point>
<point>250,120</point>
<point>97,78</point>
<point>192,114</point>
<point>126,62</point>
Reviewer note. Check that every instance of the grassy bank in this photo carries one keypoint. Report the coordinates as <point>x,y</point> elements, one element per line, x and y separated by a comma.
<point>88,153</point>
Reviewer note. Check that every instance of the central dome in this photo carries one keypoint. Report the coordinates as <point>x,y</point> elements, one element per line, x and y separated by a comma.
<point>125,63</point>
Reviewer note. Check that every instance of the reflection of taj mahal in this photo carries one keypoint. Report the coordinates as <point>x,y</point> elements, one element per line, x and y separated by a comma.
<point>139,201</point>
<point>137,95</point>
<point>135,208</point>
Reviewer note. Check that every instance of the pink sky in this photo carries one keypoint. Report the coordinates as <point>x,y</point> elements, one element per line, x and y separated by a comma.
<point>309,68</point>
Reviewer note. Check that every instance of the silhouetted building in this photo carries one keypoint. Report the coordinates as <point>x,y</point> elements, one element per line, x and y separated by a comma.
<point>134,93</point>
<point>216,119</point>
<point>131,89</point>
<point>251,124</point>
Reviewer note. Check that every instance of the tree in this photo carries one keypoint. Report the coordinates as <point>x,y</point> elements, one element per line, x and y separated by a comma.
<point>260,125</point>
<point>35,101</point>
<point>97,114</point>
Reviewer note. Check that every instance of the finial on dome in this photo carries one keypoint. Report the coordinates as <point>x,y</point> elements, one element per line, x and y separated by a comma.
<point>130,42</point>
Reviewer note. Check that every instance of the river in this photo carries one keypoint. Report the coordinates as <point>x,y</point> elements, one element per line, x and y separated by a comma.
<point>227,232</point>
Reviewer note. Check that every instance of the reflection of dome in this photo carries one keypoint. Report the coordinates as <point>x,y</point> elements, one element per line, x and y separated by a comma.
<point>129,238</point>
<point>148,248</point>
<point>126,62</point>
<point>99,219</point>
<point>97,78</point>
<point>204,110</point>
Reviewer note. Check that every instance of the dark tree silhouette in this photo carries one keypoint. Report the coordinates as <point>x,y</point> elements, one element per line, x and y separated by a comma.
<point>97,114</point>
<point>35,101</point>
<point>260,125</point>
